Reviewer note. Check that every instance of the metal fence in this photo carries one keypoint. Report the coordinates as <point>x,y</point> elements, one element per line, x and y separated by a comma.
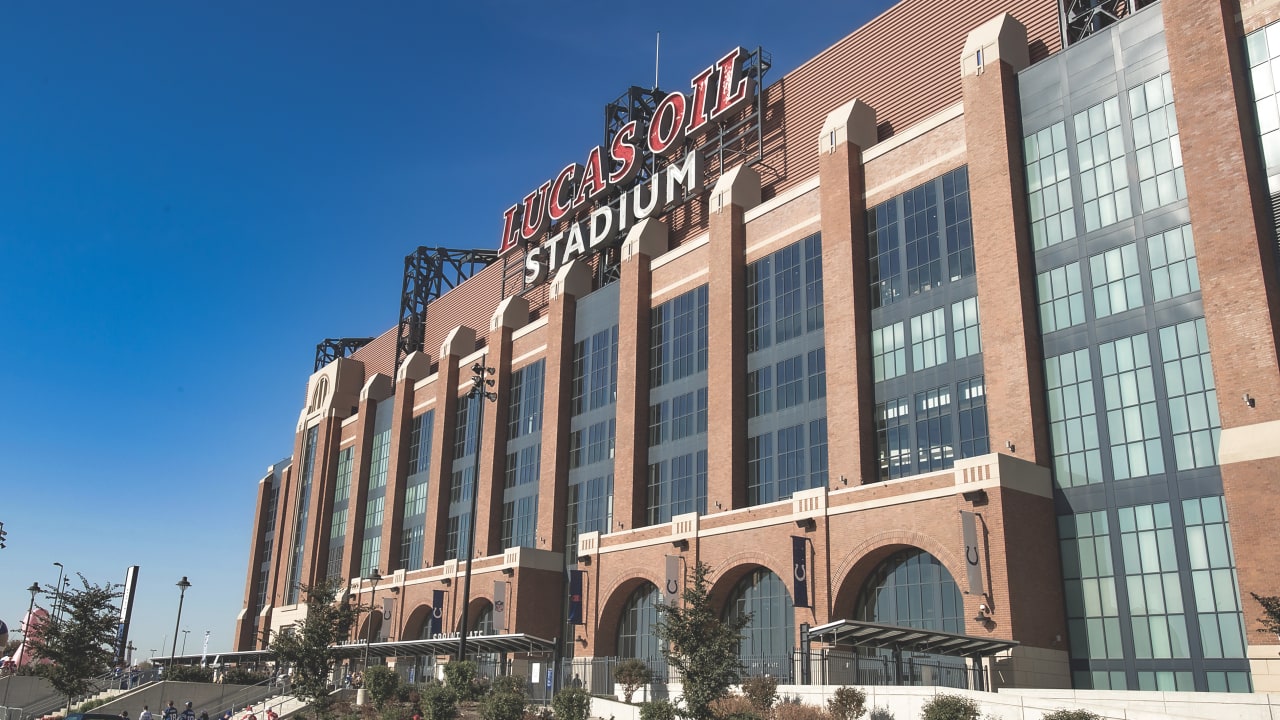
<point>824,667</point>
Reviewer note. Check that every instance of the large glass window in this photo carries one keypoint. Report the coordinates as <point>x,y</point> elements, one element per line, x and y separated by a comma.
<point>1073,423</point>
<point>1193,401</point>
<point>636,636</point>
<point>912,589</point>
<point>1104,179</point>
<point>1155,141</point>
<point>1089,583</point>
<point>768,639</point>
<point>1116,286</point>
<point>1049,186</point>
<point>1174,271</point>
<point>1061,298</point>
<point>1213,579</point>
<point>1132,419</point>
<point>301,513</point>
<point>1151,575</point>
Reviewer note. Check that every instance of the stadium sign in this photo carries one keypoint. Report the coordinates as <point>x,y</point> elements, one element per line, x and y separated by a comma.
<point>718,92</point>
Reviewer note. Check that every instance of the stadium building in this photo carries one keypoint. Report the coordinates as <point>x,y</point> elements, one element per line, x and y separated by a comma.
<point>952,353</point>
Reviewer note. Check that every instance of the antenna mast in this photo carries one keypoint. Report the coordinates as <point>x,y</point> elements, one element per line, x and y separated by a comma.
<point>657,44</point>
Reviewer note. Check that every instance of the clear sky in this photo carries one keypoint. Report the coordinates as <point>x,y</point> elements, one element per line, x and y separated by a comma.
<point>194,193</point>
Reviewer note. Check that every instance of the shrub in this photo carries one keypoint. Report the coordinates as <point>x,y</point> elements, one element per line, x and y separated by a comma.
<point>659,710</point>
<point>734,707</point>
<point>509,683</point>
<point>632,675</point>
<point>382,683</point>
<point>880,713</point>
<point>762,692</point>
<point>950,707</point>
<point>242,676</point>
<point>571,704</point>
<point>188,673</point>
<point>91,704</point>
<point>437,702</point>
<point>460,676</point>
<point>502,705</point>
<point>1072,715</point>
<point>799,711</point>
<point>848,703</point>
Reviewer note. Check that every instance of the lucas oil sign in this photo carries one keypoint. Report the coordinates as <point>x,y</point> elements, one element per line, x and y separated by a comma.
<point>717,93</point>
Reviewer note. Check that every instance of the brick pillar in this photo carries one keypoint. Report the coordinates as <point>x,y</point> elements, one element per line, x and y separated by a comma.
<point>415,367</point>
<point>360,460</point>
<point>460,342</point>
<point>1227,197</point>
<point>644,242</point>
<point>571,282</point>
<point>1003,255</point>
<point>735,192</point>
<point>846,305</point>
<point>511,314</point>
<point>245,637</point>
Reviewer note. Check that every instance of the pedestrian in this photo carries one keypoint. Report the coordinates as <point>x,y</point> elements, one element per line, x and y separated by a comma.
<point>145,714</point>
<point>170,712</point>
<point>124,714</point>
<point>188,713</point>
<point>272,714</point>
<point>204,715</point>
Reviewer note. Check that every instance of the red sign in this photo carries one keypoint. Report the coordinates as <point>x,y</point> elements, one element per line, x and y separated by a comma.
<point>718,91</point>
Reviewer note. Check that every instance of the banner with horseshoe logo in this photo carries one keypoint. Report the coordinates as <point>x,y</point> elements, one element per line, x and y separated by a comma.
<point>800,570</point>
<point>437,612</point>
<point>972,552</point>
<point>500,606</point>
<point>671,584</point>
<point>388,610</point>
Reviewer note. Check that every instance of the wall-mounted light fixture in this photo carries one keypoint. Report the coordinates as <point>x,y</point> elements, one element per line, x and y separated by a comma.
<point>1248,400</point>
<point>807,523</point>
<point>1009,444</point>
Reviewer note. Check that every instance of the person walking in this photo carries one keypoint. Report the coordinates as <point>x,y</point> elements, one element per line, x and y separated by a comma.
<point>170,712</point>
<point>145,714</point>
<point>124,715</point>
<point>188,713</point>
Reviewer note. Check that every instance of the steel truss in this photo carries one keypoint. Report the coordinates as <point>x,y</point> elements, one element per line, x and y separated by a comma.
<point>1082,18</point>
<point>331,349</point>
<point>428,274</point>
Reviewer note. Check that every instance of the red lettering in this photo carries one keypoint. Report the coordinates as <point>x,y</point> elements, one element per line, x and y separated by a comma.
<point>623,151</point>
<point>734,89</point>
<point>698,101</point>
<point>509,229</point>
<point>560,202</point>
<point>535,213</point>
<point>666,131</point>
<point>592,178</point>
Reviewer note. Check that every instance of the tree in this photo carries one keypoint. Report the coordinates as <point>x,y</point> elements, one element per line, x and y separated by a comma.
<point>1270,613</point>
<point>382,683</point>
<point>701,646</point>
<point>632,675</point>
<point>306,647</point>
<point>79,644</point>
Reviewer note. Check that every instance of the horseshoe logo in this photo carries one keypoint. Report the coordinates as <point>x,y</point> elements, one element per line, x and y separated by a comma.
<point>801,573</point>
<point>672,586</point>
<point>499,606</point>
<point>437,613</point>
<point>971,554</point>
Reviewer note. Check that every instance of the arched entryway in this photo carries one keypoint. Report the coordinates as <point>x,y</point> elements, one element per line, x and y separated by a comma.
<point>636,637</point>
<point>912,588</point>
<point>768,640</point>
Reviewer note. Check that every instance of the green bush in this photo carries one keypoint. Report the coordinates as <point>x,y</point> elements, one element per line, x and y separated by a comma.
<point>437,701</point>
<point>243,676</point>
<point>950,707</point>
<point>91,704</point>
<point>502,705</point>
<point>382,683</point>
<point>1072,715</point>
<point>762,692</point>
<point>509,683</point>
<point>189,673</point>
<point>848,703</point>
<point>631,674</point>
<point>571,704</point>
<point>659,710</point>
<point>460,676</point>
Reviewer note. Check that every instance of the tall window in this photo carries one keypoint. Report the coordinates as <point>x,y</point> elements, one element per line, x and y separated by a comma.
<point>786,384</point>
<point>524,456</point>
<point>767,640</point>
<point>301,513</point>
<point>636,636</point>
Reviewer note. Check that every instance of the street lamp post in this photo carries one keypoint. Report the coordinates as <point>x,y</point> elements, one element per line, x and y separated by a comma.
<point>479,393</point>
<point>368,635</point>
<point>183,584</point>
<point>57,598</point>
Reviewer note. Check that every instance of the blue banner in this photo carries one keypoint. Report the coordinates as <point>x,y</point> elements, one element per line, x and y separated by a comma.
<point>575,597</point>
<point>437,612</point>
<point>800,571</point>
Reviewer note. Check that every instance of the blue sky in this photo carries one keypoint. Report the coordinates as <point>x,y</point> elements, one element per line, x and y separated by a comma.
<point>194,193</point>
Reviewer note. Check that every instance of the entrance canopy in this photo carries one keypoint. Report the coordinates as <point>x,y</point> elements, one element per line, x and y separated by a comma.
<point>481,644</point>
<point>869,634</point>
